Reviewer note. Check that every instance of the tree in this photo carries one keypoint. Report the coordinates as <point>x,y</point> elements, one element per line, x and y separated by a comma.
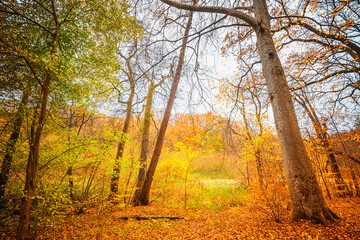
<point>322,135</point>
<point>254,140</point>
<point>145,133</point>
<point>145,191</point>
<point>48,38</point>
<point>129,104</point>
<point>11,145</point>
<point>327,65</point>
<point>18,74</point>
<point>73,118</point>
<point>245,93</point>
<point>36,131</point>
<point>307,199</point>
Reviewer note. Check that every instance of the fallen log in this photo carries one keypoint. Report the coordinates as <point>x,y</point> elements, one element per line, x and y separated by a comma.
<point>149,218</point>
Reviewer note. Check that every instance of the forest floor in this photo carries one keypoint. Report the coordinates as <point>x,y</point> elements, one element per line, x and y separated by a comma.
<point>242,222</point>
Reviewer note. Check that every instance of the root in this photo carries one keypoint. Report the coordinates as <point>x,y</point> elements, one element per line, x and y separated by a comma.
<point>318,217</point>
<point>330,215</point>
<point>296,216</point>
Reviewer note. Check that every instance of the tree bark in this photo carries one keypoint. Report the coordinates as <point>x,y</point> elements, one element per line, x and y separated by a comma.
<point>307,199</point>
<point>33,160</point>
<point>259,166</point>
<point>70,168</point>
<point>35,137</point>
<point>10,147</point>
<point>144,144</point>
<point>342,188</point>
<point>145,191</point>
<point>114,184</point>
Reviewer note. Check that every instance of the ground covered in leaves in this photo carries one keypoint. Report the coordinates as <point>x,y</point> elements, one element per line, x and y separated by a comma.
<point>243,222</point>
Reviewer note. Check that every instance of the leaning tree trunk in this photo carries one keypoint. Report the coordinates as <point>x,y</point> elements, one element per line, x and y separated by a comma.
<point>144,145</point>
<point>341,186</point>
<point>145,191</point>
<point>114,184</point>
<point>321,133</point>
<point>307,199</point>
<point>10,146</point>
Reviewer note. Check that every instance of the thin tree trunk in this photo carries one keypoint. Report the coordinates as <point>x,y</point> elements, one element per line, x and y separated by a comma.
<point>255,146</point>
<point>248,174</point>
<point>71,184</point>
<point>114,184</point>
<point>352,166</point>
<point>259,167</point>
<point>342,188</point>
<point>11,143</point>
<point>354,179</point>
<point>70,169</point>
<point>320,171</point>
<point>145,191</point>
<point>185,188</point>
<point>127,192</point>
<point>307,198</point>
<point>325,184</point>
<point>90,181</point>
<point>144,145</point>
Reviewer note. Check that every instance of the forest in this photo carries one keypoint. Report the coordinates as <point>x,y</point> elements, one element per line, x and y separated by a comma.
<point>179,119</point>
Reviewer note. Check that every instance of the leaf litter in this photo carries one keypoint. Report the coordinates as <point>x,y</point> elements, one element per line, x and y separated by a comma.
<point>241,222</point>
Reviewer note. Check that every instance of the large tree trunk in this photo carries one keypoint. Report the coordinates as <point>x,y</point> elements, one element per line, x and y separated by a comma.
<point>307,199</point>
<point>114,184</point>
<point>10,146</point>
<point>33,161</point>
<point>145,191</point>
<point>144,145</point>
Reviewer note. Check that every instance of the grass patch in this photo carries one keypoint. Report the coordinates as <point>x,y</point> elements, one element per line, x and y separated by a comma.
<point>217,196</point>
<point>213,174</point>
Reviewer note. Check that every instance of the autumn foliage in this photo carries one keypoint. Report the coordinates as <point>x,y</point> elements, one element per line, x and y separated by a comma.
<point>102,98</point>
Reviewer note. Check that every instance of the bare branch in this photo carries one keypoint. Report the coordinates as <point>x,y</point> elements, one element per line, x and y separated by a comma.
<point>227,11</point>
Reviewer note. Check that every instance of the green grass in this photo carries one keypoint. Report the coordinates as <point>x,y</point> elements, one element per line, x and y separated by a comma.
<point>213,174</point>
<point>218,196</point>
